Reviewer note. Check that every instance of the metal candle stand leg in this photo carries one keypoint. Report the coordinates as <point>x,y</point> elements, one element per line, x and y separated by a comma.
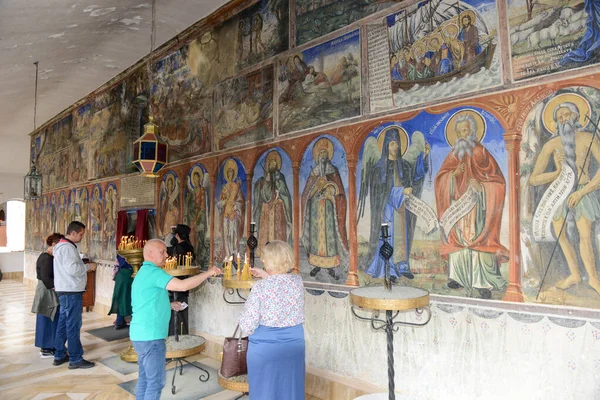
<point>242,395</point>
<point>389,326</point>
<point>230,292</point>
<point>179,362</point>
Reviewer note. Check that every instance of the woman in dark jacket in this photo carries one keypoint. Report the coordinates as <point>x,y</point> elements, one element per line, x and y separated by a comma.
<point>182,248</point>
<point>45,302</point>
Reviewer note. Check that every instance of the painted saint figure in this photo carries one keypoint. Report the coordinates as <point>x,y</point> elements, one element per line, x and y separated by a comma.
<point>272,204</point>
<point>110,221</point>
<point>324,213</point>
<point>96,222</point>
<point>231,206</point>
<point>469,35</point>
<point>196,212</point>
<point>169,202</point>
<point>473,244</point>
<point>387,179</point>
<point>570,145</point>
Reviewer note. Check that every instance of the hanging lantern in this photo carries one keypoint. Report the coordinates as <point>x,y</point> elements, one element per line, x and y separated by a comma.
<point>33,184</point>
<point>149,152</point>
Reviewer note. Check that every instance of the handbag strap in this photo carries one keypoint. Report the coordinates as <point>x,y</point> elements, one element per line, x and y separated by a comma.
<point>236,331</point>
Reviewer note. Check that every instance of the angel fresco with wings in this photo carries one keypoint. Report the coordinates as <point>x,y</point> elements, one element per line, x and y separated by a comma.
<point>391,170</point>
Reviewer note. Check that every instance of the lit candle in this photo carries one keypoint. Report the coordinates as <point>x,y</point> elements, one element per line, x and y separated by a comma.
<point>384,231</point>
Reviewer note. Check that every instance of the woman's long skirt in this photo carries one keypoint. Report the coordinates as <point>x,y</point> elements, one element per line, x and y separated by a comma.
<point>276,363</point>
<point>45,330</point>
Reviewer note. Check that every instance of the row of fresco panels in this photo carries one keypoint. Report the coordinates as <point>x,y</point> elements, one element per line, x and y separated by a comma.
<point>96,206</point>
<point>446,158</point>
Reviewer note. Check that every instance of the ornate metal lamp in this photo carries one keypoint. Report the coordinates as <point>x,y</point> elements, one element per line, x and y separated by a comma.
<point>150,154</point>
<point>33,184</point>
<point>33,179</point>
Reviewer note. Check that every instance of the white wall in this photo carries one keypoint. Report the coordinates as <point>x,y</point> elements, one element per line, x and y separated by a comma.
<point>11,186</point>
<point>12,262</point>
<point>470,349</point>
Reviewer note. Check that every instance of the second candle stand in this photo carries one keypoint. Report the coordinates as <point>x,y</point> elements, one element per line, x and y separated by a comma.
<point>232,284</point>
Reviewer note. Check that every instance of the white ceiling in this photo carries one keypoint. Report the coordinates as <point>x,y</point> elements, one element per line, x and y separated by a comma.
<point>80,44</point>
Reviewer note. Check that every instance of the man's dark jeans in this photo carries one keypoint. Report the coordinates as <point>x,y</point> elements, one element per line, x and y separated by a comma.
<point>69,327</point>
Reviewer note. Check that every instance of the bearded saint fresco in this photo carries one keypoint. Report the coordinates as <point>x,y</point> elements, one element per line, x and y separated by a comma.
<point>562,157</point>
<point>323,207</point>
<point>473,244</point>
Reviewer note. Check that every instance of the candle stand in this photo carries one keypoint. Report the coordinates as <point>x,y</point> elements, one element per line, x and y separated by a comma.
<point>135,257</point>
<point>392,300</point>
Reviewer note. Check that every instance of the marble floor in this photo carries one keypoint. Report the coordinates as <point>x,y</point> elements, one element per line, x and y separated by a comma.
<point>24,375</point>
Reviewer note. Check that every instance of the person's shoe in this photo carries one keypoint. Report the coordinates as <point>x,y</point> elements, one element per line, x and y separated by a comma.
<point>83,364</point>
<point>314,271</point>
<point>452,284</point>
<point>485,293</point>
<point>61,361</point>
<point>45,353</point>
<point>117,327</point>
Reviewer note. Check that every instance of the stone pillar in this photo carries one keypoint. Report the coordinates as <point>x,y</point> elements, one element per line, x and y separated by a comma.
<point>213,188</point>
<point>514,292</point>
<point>352,234</point>
<point>296,215</point>
<point>249,177</point>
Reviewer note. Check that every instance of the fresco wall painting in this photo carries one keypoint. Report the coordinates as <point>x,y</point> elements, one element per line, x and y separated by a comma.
<point>435,49</point>
<point>320,84</point>
<point>272,198</point>
<point>318,18</point>
<point>169,204</point>
<point>182,106</point>
<point>96,219</point>
<point>324,212</point>
<point>552,36</point>
<point>446,161</point>
<point>559,204</point>
<point>231,193</point>
<point>438,178</point>
<point>244,109</point>
<point>109,231</point>
<point>196,214</point>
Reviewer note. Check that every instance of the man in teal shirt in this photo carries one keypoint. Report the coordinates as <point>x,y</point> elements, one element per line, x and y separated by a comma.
<point>151,313</point>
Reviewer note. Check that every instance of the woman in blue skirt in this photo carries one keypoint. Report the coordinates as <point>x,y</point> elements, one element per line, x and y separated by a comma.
<point>273,317</point>
<point>45,301</point>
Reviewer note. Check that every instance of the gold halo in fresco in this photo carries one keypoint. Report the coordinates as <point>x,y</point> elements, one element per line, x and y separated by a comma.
<point>467,13</point>
<point>230,164</point>
<point>578,100</point>
<point>432,37</point>
<point>419,46</point>
<point>196,170</point>
<point>450,30</point>
<point>170,178</point>
<point>401,133</point>
<point>273,156</point>
<point>479,121</point>
<point>322,144</point>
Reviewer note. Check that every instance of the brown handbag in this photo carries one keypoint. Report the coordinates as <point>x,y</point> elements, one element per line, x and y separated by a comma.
<point>234,355</point>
